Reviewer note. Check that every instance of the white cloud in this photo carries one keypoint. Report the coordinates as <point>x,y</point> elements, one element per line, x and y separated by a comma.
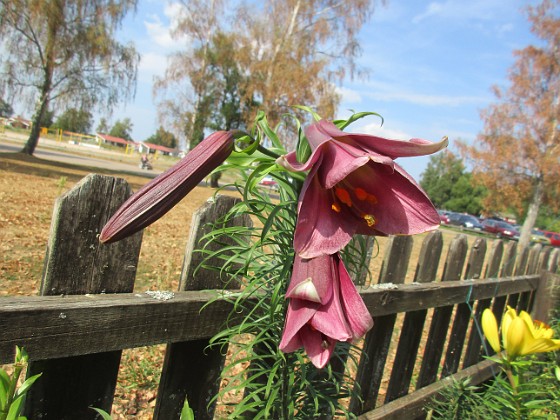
<point>473,9</point>
<point>395,92</point>
<point>152,64</point>
<point>160,31</point>
<point>425,99</point>
<point>433,9</point>
<point>349,96</point>
<point>391,133</point>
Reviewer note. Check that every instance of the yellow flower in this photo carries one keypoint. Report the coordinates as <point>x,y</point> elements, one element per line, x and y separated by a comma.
<point>520,334</point>
<point>490,329</point>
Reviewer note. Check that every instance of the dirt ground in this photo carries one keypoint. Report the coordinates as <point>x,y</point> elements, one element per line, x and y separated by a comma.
<point>28,189</point>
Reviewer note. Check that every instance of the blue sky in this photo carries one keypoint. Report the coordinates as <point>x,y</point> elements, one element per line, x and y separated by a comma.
<point>431,66</point>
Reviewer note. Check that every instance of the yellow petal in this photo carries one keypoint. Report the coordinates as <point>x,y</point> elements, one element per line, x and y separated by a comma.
<point>508,317</point>
<point>516,334</point>
<point>490,329</point>
<point>540,345</point>
<point>527,318</point>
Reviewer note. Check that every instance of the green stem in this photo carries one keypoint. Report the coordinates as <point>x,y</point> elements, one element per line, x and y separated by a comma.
<point>514,387</point>
<point>267,152</point>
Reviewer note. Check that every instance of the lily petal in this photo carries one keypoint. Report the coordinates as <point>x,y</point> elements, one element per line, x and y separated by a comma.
<point>312,279</point>
<point>319,348</point>
<point>490,329</point>
<point>357,314</point>
<point>325,130</point>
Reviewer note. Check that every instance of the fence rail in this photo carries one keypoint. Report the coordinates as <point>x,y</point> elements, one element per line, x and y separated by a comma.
<point>424,333</point>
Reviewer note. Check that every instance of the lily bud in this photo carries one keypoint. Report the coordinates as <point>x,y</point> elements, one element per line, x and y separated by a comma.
<point>162,193</point>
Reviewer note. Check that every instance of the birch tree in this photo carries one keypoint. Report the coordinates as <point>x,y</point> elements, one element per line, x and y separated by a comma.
<point>289,52</point>
<point>517,155</point>
<point>63,52</point>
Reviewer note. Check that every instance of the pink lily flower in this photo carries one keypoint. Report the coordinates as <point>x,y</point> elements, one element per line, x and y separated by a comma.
<point>354,186</point>
<point>324,308</point>
<point>159,196</point>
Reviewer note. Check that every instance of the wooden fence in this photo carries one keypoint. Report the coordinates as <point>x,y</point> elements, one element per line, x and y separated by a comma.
<point>423,335</point>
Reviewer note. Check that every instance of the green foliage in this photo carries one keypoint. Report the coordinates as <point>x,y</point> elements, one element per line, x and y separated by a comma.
<point>163,138</point>
<point>272,384</point>
<point>536,398</point>
<point>74,120</point>
<point>12,397</point>
<point>103,126</point>
<point>449,186</point>
<point>523,389</point>
<point>6,109</point>
<point>187,412</point>
<point>122,129</point>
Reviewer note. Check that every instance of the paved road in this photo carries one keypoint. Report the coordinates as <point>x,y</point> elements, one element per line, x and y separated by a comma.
<point>45,152</point>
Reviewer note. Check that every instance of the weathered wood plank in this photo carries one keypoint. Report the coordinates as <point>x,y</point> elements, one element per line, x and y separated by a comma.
<point>553,261</point>
<point>412,406</point>
<point>378,339</point>
<point>76,263</point>
<point>472,354</point>
<point>413,325</point>
<point>441,317</point>
<point>533,266</point>
<point>508,266</point>
<point>60,326</point>
<point>463,312</point>
<point>191,369</point>
<point>546,296</point>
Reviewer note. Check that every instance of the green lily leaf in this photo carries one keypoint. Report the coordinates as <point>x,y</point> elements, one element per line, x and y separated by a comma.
<point>342,124</point>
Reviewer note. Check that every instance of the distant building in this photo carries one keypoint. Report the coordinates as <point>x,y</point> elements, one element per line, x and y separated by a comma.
<point>144,147</point>
<point>18,122</point>
<point>114,141</point>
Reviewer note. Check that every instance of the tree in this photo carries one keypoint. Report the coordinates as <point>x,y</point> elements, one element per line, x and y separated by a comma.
<point>449,186</point>
<point>186,76</point>
<point>516,155</point>
<point>290,51</point>
<point>295,51</point>
<point>74,120</point>
<point>6,109</point>
<point>443,171</point>
<point>103,126</point>
<point>64,52</point>
<point>163,138</point>
<point>122,129</point>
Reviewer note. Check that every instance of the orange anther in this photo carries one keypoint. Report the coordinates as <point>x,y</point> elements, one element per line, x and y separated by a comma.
<point>336,207</point>
<point>343,196</point>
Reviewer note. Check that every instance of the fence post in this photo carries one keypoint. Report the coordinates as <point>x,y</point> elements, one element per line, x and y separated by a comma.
<point>463,311</point>
<point>378,339</point>
<point>472,354</point>
<point>77,263</point>
<point>442,316</point>
<point>508,265</point>
<point>191,369</point>
<point>413,323</point>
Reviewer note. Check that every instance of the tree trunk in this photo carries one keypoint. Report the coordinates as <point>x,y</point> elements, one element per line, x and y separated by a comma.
<point>532,213</point>
<point>33,139</point>
<point>48,65</point>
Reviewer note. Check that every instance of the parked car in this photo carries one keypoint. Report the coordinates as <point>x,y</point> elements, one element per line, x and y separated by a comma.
<point>554,238</point>
<point>539,237</point>
<point>464,220</point>
<point>500,229</point>
<point>269,182</point>
<point>444,216</point>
